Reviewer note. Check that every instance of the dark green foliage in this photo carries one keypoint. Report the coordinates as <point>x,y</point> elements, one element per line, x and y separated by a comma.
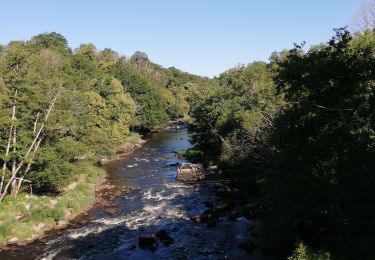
<point>301,130</point>
<point>47,40</point>
<point>325,142</point>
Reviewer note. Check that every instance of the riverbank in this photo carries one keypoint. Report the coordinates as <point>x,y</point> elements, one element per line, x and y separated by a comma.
<point>132,143</point>
<point>159,205</point>
<point>27,218</point>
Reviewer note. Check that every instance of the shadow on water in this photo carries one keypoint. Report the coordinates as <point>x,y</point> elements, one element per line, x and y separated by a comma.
<point>159,203</point>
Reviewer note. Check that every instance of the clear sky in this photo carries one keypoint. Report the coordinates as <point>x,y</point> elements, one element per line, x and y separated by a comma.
<point>204,37</point>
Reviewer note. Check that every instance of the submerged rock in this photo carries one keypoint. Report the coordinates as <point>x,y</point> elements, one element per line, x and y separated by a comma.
<point>190,172</point>
<point>148,242</point>
<point>248,246</point>
<point>172,165</point>
<point>208,204</point>
<point>111,210</point>
<point>132,247</point>
<point>164,237</point>
<point>211,223</point>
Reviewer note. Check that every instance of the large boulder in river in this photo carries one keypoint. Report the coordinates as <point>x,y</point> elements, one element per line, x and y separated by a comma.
<point>190,172</point>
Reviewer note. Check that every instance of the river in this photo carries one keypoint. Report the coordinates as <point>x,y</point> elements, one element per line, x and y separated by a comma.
<point>159,202</point>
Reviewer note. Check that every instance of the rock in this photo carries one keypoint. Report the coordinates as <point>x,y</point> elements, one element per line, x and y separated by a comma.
<point>197,219</point>
<point>226,193</point>
<point>164,237</point>
<point>23,243</point>
<point>147,242</point>
<point>68,213</point>
<point>207,215</point>
<point>223,208</point>
<point>233,216</point>
<point>249,212</point>
<point>211,223</point>
<point>61,224</point>
<point>132,247</point>
<point>12,240</point>
<point>53,203</point>
<point>212,170</point>
<point>111,210</point>
<point>39,227</point>
<point>32,238</point>
<point>190,172</point>
<point>208,204</point>
<point>248,246</point>
<point>251,227</point>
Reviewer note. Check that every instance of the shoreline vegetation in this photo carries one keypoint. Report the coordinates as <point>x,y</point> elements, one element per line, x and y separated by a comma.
<point>28,218</point>
<point>46,214</point>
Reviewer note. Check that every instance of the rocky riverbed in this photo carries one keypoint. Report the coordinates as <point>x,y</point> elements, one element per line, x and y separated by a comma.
<point>143,213</point>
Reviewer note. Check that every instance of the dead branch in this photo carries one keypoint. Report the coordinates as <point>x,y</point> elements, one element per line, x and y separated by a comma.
<point>9,142</point>
<point>35,140</point>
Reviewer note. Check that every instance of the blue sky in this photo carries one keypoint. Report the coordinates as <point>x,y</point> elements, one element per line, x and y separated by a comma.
<point>204,37</point>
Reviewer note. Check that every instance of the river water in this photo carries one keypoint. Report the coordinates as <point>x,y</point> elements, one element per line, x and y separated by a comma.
<point>159,202</point>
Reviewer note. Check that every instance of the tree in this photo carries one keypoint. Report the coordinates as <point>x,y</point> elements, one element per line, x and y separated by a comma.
<point>26,159</point>
<point>324,142</point>
<point>365,19</point>
<point>52,39</point>
<point>233,120</point>
<point>88,50</point>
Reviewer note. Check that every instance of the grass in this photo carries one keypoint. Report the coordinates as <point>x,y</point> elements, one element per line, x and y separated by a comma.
<point>20,215</point>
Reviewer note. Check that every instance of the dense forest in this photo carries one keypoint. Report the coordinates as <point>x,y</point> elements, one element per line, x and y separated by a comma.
<point>299,132</point>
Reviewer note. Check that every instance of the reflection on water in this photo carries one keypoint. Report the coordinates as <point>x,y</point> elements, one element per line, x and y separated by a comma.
<point>158,203</point>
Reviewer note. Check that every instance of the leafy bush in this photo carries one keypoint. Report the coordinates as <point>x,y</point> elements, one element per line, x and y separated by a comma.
<point>302,252</point>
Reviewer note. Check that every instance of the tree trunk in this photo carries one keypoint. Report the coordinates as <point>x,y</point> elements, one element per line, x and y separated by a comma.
<point>16,169</point>
<point>2,179</point>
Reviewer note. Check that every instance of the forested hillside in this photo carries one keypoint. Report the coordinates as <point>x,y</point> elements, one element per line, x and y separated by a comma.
<point>299,132</point>
<point>102,98</point>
